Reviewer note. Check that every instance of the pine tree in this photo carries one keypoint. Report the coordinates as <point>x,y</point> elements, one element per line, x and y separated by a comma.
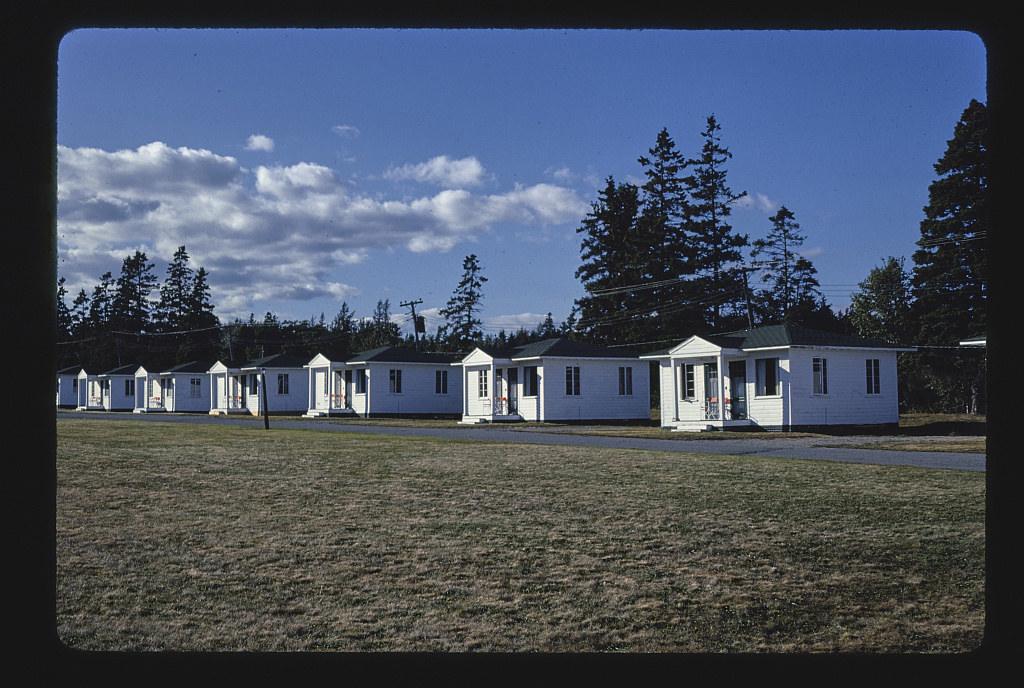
<point>949,278</point>
<point>461,314</point>
<point>171,311</point>
<point>131,304</point>
<point>949,282</point>
<point>776,258</point>
<point>664,222</point>
<point>717,249</point>
<point>613,256</point>
<point>64,323</point>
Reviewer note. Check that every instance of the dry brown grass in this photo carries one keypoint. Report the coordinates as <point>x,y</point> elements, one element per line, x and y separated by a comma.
<point>193,537</point>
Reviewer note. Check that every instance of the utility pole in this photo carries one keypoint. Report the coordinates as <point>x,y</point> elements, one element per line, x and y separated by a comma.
<point>746,291</point>
<point>417,323</point>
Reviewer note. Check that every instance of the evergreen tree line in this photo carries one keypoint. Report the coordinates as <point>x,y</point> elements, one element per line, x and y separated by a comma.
<point>660,262</point>
<point>134,320</point>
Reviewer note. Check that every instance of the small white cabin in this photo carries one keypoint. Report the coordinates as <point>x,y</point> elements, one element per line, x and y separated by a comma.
<point>554,380</point>
<point>779,377</point>
<point>228,392</point>
<point>67,386</point>
<point>386,381</point>
<point>181,388</point>
<point>117,388</point>
<point>287,382</point>
<point>90,396</point>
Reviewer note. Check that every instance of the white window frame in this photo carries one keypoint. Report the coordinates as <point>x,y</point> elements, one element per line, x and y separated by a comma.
<point>760,375</point>
<point>481,384</point>
<point>129,387</point>
<point>394,381</point>
<point>440,382</point>
<point>819,376</point>
<point>688,381</point>
<point>361,381</point>
<point>872,371</point>
<point>573,388</point>
<point>195,385</point>
<point>625,381</point>
<point>282,384</point>
<point>531,381</point>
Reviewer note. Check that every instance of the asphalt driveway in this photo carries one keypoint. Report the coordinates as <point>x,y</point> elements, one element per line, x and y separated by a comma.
<point>774,446</point>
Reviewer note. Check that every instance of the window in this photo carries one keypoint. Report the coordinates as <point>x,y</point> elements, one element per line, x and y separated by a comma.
<point>282,383</point>
<point>688,385</point>
<point>129,387</point>
<point>440,382</point>
<point>194,385</point>
<point>767,373</point>
<point>481,384</point>
<point>819,372</point>
<point>361,381</point>
<point>253,377</point>
<point>626,381</point>
<point>871,369</point>
<point>395,381</point>
<point>531,382</point>
<point>74,385</point>
<point>572,380</point>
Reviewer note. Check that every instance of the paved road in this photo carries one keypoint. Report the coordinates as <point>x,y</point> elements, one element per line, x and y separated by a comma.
<point>775,446</point>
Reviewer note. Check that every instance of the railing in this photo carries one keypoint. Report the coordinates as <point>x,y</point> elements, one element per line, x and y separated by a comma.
<point>338,401</point>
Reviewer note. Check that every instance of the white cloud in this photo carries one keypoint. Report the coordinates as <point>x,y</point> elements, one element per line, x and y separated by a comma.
<point>259,142</point>
<point>276,232</point>
<point>757,201</point>
<point>442,171</point>
<point>512,322</point>
<point>345,130</point>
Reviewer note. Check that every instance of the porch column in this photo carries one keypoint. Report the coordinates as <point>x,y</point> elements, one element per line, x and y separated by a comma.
<point>674,371</point>
<point>465,389</point>
<point>721,387</point>
<point>491,388</point>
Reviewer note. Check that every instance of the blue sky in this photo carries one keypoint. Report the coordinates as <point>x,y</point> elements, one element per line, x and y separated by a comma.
<point>303,168</point>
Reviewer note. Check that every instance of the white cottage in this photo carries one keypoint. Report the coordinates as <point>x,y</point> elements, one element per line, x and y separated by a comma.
<point>228,392</point>
<point>181,388</point>
<point>67,386</point>
<point>386,381</point>
<point>287,383</point>
<point>90,397</point>
<point>117,388</point>
<point>554,380</point>
<point>779,377</point>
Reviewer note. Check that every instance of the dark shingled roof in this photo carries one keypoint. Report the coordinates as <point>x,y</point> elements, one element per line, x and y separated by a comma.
<point>72,370</point>
<point>559,346</point>
<point>784,335</point>
<point>190,367</point>
<point>277,361</point>
<point>401,354</point>
<point>122,370</point>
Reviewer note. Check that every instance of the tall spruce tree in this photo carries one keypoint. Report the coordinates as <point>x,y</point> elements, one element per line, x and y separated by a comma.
<point>949,277</point>
<point>880,308</point>
<point>131,303</point>
<point>171,310</point>
<point>461,314</point>
<point>614,257</point>
<point>716,247</point>
<point>949,281</point>
<point>665,217</point>
<point>788,278</point>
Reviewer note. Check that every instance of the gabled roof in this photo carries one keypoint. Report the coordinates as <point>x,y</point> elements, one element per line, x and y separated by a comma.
<point>122,370</point>
<point>190,367</point>
<point>793,335</point>
<point>775,336</point>
<point>276,361</point>
<point>71,370</point>
<point>400,354</point>
<point>558,347</point>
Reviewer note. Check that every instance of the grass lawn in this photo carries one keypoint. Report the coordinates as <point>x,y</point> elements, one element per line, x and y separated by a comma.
<point>209,537</point>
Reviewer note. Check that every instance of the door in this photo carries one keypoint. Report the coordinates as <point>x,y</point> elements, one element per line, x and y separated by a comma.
<point>513,390</point>
<point>320,399</point>
<point>711,401</point>
<point>348,389</point>
<point>738,389</point>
